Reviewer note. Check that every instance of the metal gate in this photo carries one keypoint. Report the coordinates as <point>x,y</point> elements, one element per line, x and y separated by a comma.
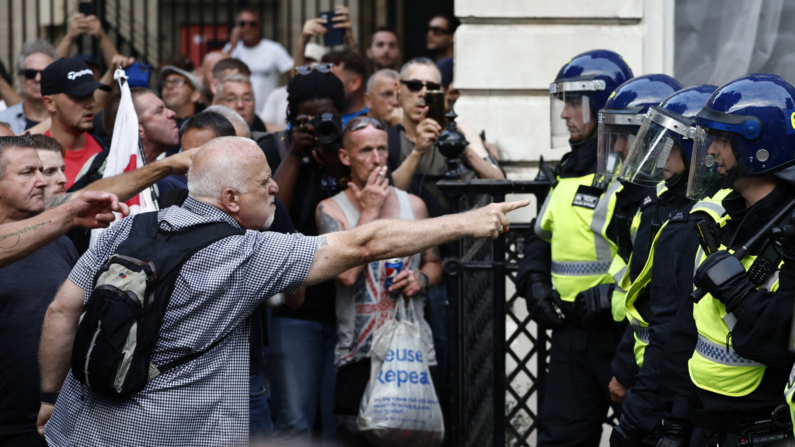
<point>491,405</point>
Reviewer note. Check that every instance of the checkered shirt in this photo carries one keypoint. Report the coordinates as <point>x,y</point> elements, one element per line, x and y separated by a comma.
<point>205,401</point>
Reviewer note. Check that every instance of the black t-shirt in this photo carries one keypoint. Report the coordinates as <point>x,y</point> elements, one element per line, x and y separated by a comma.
<point>27,287</point>
<point>312,186</point>
<point>30,123</point>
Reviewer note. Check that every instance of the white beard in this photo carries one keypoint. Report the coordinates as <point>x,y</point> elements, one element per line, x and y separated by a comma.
<point>269,222</point>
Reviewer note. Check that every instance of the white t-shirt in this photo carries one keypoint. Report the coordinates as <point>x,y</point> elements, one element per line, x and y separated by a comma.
<point>275,109</point>
<point>266,60</point>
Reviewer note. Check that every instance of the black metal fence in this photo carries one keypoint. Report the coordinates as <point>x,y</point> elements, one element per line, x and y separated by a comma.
<point>491,405</point>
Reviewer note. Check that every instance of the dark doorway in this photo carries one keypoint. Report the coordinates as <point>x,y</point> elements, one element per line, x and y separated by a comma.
<point>417,14</point>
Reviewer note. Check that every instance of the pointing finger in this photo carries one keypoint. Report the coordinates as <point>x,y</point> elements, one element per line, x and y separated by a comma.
<point>506,207</point>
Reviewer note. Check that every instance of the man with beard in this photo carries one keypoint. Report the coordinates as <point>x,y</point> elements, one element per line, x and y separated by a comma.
<point>181,92</point>
<point>384,49</point>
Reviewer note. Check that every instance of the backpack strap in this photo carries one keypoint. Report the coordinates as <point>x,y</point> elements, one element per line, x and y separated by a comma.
<point>183,245</point>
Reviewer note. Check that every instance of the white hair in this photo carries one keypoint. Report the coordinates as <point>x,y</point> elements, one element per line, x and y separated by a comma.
<point>237,77</point>
<point>231,115</point>
<point>210,178</point>
<point>385,72</point>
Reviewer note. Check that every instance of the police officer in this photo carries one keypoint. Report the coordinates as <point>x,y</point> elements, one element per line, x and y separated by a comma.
<point>660,156</point>
<point>570,245</point>
<point>744,140</point>
<point>619,123</point>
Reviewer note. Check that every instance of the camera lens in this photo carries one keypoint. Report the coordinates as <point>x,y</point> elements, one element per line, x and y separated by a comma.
<point>328,129</point>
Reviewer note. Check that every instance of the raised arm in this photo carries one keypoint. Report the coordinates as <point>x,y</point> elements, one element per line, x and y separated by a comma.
<point>88,210</point>
<point>384,239</point>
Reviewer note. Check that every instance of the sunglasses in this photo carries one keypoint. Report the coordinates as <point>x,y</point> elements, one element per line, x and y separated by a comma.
<point>415,85</point>
<point>438,31</point>
<point>322,68</point>
<point>360,122</point>
<point>30,74</point>
<point>243,23</point>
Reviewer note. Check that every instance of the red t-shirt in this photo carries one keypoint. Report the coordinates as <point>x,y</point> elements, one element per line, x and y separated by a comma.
<point>75,160</point>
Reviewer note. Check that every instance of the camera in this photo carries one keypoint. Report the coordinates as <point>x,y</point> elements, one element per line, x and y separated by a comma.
<point>328,128</point>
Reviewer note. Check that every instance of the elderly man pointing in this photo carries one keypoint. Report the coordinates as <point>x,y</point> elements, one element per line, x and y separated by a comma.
<point>204,401</point>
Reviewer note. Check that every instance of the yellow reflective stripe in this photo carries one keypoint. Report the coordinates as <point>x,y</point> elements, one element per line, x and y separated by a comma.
<point>599,223</point>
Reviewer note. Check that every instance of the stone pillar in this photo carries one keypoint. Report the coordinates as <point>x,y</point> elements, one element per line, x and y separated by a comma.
<point>508,51</point>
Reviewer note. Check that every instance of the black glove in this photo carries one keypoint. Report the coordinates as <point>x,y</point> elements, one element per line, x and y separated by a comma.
<point>675,434</point>
<point>596,301</point>
<point>543,303</point>
<point>626,435</point>
<point>725,279</point>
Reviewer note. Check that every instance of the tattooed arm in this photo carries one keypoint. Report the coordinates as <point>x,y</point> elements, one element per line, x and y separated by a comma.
<point>88,210</point>
<point>331,219</point>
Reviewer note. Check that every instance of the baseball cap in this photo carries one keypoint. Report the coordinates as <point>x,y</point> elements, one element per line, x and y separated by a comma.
<point>168,69</point>
<point>70,76</point>
<point>88,59</point>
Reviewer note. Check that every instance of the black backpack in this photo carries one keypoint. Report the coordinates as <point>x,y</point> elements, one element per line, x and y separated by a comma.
<point>121,320</point>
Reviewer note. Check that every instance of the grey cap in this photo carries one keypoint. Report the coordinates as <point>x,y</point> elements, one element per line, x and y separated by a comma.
<point>168,69</point>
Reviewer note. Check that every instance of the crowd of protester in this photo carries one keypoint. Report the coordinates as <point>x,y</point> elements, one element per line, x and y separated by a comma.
<point>308,350</point>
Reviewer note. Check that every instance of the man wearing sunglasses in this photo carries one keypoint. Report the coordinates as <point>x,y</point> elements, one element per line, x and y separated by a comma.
<point>266,58</point>
<point>34,57</point>
<point>439,39</point>
<point>416,163</point>
<point>361,307</point>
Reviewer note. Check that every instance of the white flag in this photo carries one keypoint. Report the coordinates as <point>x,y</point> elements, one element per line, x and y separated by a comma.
<point>126,153</point>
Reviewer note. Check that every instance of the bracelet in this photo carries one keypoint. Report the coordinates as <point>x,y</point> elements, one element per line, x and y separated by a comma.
<point>48,398</point>
<point>424,280</point>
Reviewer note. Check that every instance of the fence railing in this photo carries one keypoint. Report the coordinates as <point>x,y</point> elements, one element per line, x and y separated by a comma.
<point>491,404</point>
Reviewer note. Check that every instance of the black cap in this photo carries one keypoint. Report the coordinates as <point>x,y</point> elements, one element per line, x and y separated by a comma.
<point>70,76</point>
<point>88,59</point>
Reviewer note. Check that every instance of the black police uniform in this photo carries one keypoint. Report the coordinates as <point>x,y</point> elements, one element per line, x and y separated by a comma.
<point>580,367</point>
<point>759,334</point>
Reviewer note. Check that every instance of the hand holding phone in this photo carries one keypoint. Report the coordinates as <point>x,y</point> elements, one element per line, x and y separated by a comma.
<point>333,36</point>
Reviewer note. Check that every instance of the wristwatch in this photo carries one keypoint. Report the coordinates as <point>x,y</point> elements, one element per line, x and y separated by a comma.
<point>48,398</point>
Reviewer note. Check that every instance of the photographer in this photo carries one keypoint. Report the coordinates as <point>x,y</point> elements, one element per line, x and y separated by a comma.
<point>302,341</point>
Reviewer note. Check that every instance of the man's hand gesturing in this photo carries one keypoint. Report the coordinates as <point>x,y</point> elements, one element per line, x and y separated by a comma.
<point>373,196</point>
<point>490,221</point>
<point>94,209</point>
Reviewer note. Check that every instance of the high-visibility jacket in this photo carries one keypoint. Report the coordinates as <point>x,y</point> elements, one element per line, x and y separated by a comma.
<point>638,290</point>
<point>574,220</point>
<point>715,366</point>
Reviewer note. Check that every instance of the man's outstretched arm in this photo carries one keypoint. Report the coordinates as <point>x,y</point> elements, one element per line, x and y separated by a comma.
<point>87,210</point>
<point>384,239</point>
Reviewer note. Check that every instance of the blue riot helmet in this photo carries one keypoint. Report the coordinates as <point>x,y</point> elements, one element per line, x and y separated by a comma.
<point>746,129</point>
<point>669,128</point>
<point>622,115</point>
<point>580,89</point>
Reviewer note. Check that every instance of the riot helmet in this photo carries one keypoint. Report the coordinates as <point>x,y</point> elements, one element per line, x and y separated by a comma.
<point>622,115</point>
<point>746,129</point>
<point>580,89</point>
<point>665,139</point>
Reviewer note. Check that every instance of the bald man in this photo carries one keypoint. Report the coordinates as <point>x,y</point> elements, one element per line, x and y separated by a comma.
<point>205,75</point>
<point>230,182</point>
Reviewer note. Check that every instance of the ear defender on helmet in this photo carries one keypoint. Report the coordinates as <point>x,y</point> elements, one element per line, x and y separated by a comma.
<point>667,127</point>
<point>746,129</point>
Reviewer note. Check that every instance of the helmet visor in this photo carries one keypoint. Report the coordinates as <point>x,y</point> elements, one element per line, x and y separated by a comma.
<point>715,163</point>
<point>570,108</point>
<point>616,136</point>
<point>655,150</point>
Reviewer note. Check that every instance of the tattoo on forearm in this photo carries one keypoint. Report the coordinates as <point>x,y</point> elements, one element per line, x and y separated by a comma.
<point>326,223</point>
<point>11,240</point>
<point>54,201</point>
<point>322,241</point>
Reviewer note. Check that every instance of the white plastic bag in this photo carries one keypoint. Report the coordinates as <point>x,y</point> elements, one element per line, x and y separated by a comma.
<point>399,406</point>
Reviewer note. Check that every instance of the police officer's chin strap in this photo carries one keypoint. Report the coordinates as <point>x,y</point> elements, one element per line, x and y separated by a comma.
<point>676,182</point>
